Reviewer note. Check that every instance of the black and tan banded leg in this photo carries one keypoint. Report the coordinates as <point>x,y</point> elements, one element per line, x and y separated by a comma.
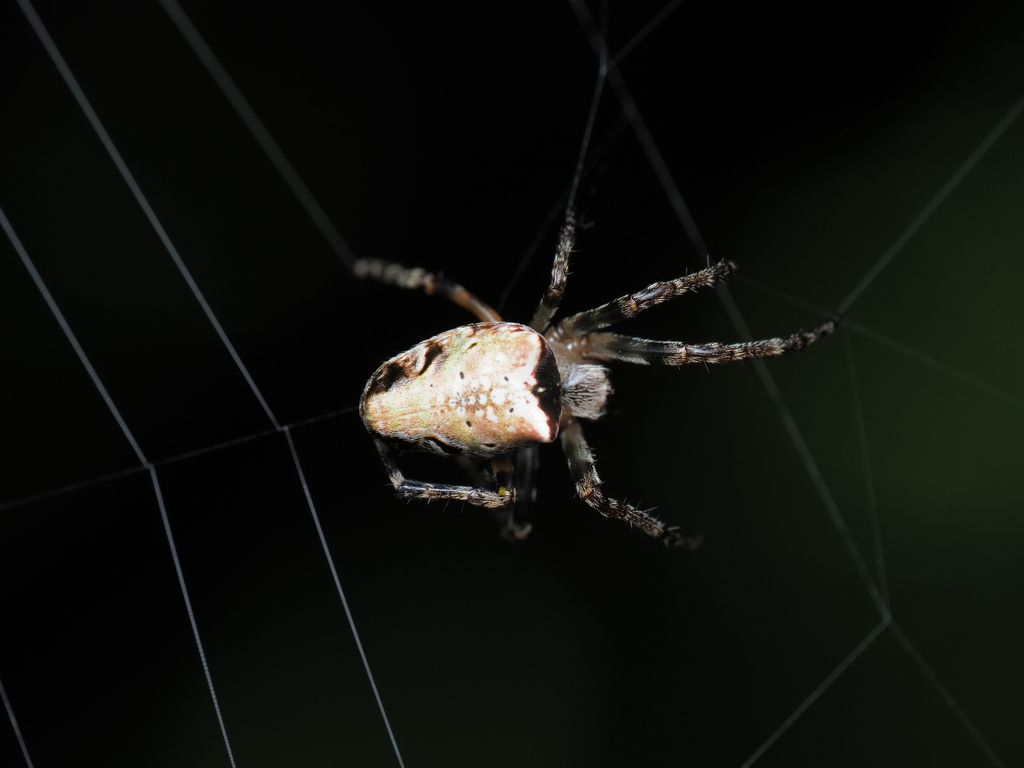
<point>633,304</point>
<point>588,485</point>
<point>415,278</point>
<point>417,489</point>
<point>552,297</point>
<point>628,349</point>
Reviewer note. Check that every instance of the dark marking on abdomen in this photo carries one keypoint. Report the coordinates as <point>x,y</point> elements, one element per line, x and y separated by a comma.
<point>431,352</point>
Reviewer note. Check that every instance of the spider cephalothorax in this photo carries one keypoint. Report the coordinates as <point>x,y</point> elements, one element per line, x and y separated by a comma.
<point>495,390</point>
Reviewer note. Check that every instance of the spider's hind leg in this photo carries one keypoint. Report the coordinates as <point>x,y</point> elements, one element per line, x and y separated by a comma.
<point>588,485</point>
<point>414,278</point>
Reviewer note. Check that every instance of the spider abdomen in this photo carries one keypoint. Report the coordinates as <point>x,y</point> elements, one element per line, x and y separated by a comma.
<point>482,389</point>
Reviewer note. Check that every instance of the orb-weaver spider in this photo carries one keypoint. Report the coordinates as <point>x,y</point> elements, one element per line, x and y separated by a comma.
<point>493,390</point>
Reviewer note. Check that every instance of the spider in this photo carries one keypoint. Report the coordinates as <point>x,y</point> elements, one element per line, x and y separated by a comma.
<point>495,390</point>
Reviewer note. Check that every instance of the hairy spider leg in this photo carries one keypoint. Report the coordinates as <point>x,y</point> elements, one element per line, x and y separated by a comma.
<point>552,297</point>
<point>633,304</point>
<point>577,333</point>
<point>629,349</point>
<point>420,279</point>
<point>416,489</point>
<point>583,469</point>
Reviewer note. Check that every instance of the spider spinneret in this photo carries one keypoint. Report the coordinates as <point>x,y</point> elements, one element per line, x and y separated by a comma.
<point>495,390</point>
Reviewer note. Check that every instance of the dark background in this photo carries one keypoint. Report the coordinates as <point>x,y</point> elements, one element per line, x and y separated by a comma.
<point>804,140</point>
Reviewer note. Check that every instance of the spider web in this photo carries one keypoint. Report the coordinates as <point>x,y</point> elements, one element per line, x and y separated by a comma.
<point>167,598</point>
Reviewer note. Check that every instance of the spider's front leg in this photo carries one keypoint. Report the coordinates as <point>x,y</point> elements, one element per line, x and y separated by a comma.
<point>480,497</point>
<point>629,349</point>
<point>632,304</point>
<point>588,485</point>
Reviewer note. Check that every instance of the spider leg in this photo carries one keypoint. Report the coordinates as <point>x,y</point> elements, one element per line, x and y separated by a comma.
<point>629,349</point>
<point>588,485</point>
<point>415,278</point>
<point>480,497</point>
<point>552,297</point>
<point>516,519</point>
<point>633,304</point>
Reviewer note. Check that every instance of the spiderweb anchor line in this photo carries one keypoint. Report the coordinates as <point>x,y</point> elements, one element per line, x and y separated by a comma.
<point>937,200</point>
<point>259,131</point>
<point>84,359</point>
<point>834,675</point>
<point>878,597</point>
<point>129,179</point>
<point>14,725</point>
<point>341,595</point>
<point>939,366</point>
